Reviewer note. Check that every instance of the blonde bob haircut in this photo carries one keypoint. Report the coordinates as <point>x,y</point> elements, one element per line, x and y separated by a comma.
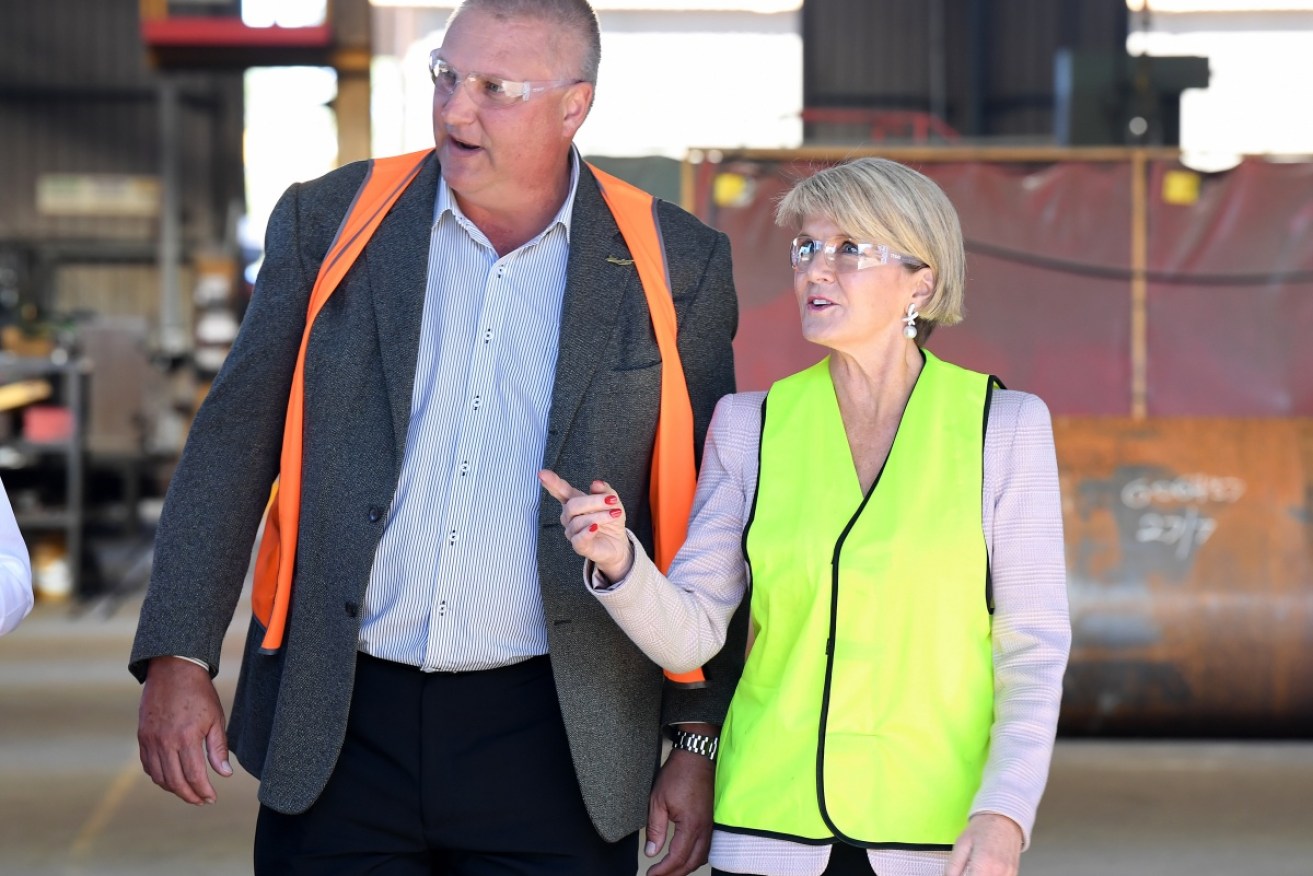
<point>886,202</point>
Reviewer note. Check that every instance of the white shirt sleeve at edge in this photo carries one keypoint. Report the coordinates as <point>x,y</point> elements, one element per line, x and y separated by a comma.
<point>15,571</point>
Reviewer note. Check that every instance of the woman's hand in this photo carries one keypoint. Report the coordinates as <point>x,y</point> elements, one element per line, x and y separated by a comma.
<point>595,524</point>
<point>990,846</point>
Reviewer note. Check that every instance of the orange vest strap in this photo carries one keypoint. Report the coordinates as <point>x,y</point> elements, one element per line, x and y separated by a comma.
<point>674,471</point>
<point>674,474</point>
<point>271,595</point>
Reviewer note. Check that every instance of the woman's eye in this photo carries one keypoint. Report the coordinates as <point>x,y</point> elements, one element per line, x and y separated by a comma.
<point>849,248</point>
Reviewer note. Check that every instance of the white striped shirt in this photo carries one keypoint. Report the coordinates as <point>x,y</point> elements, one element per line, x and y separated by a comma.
<point>454,584</point>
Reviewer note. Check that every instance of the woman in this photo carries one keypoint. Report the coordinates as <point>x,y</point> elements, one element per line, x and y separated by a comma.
<point>899,702</point>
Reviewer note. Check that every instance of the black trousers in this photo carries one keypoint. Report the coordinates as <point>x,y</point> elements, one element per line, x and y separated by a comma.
<point>845,860</point>
<point>447,774</point>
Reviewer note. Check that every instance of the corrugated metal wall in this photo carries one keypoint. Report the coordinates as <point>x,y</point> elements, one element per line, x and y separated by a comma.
<point>994,59</point>
<point>76,97</point>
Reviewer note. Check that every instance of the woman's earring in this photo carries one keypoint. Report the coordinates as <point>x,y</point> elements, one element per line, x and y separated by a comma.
<point>909,322</point>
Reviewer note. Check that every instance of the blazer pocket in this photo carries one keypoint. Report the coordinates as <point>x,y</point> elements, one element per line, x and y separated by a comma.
<point>639,382</point>
<point>624,404</point>
<point>625,367</point>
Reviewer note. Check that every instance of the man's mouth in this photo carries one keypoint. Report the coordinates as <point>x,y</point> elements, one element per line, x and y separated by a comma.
<point>461,144</point>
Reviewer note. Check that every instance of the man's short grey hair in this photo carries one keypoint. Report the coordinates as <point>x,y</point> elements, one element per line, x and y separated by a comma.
<point>573,16</point>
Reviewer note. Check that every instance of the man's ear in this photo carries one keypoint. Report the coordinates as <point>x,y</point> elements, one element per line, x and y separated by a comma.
<point>578,100</point>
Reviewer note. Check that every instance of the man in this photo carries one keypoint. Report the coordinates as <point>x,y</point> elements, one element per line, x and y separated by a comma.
<point>412,721</point>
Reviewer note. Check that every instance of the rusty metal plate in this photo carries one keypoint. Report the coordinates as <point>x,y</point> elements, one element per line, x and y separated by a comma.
<point>1190,567</point>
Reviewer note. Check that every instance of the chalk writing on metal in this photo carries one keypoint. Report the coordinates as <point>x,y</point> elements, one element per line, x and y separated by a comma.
<point>1142,492</point>
<point>1187,529</point>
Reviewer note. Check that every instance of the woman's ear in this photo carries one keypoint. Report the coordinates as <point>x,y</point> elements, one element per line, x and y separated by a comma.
<point>925,287</point>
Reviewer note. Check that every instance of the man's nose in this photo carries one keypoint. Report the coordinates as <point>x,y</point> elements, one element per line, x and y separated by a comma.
<point>458,105</point>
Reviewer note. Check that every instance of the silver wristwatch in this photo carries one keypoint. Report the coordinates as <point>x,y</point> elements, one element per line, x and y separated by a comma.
<point>698,743</point>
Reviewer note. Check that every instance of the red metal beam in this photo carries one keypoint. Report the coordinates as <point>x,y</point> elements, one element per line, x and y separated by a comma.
<point>216,33</point>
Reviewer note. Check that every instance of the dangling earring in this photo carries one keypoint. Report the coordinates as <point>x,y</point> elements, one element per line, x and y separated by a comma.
<point>909,322</point>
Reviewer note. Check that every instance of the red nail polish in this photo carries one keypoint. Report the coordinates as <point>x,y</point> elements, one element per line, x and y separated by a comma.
<point>616,512</point>
<point>593,528</point>
<point>613,500</point>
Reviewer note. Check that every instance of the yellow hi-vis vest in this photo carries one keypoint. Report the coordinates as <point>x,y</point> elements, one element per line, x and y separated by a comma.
<point>864,711</point>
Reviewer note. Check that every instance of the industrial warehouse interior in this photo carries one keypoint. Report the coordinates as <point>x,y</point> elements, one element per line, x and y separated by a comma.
<point>1135,187</point>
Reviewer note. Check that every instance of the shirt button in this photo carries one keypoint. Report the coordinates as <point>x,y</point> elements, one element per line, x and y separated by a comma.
<point>476,402</point>
<point>375,514</point>
<point>464,468</point>
<point>451,539</point>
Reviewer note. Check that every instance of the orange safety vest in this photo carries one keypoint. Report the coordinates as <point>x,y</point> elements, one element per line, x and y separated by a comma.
<point>674,475</point>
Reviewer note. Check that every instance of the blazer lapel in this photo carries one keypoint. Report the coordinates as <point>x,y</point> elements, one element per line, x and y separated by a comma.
<point>595,285</point>
<point>398,276</point>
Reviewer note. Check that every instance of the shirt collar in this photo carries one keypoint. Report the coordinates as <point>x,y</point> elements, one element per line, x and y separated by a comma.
<point>446,204</point>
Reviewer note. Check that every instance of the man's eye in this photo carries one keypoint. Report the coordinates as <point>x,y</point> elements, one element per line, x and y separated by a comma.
<point>445,76</point>
<point>493,87</point>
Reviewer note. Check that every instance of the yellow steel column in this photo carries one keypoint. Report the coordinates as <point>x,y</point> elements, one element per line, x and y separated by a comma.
<point>352,53</point>
<point>1139,284</point>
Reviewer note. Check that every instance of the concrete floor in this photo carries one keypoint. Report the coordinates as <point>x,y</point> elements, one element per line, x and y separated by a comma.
<point>73,798</point>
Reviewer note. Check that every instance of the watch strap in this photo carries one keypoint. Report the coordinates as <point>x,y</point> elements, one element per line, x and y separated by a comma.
<point>698,743</point>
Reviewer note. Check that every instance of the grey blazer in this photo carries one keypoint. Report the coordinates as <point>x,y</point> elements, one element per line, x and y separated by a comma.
<point>290,711</point>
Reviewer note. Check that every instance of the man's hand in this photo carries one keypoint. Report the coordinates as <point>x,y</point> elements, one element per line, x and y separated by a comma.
<point>181,721</point>
<point>682,797</point>
<point>594,523</point>
<point>990,846</point>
